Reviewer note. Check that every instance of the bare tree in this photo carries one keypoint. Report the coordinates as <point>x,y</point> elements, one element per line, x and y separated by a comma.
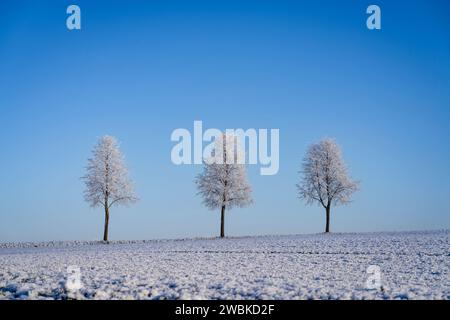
<point>107,181</point>
<point>223,183</point>
<point>324,177</point>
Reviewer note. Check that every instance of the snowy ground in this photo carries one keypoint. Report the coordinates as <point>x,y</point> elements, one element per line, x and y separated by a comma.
<point>414,265</point>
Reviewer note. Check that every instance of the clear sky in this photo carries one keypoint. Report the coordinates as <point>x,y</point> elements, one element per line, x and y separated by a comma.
<point>139,69</point>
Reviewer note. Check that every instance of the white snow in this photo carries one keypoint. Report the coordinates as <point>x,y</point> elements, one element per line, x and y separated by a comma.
<point>414,265</point>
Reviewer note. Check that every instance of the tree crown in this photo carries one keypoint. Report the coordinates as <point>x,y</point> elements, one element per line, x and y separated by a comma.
<point>107,182</point>
<point>223,182</point>
<point>324,175</point>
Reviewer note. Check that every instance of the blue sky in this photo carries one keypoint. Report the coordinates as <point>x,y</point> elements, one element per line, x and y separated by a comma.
<point>140,70</point>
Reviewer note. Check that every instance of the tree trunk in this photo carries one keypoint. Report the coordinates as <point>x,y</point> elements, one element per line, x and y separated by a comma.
<point>105,233</point>
<point>327,227</point>
<point>222,222</point>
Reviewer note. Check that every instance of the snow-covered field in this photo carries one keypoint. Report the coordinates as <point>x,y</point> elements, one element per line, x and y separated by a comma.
<point>413,265</point>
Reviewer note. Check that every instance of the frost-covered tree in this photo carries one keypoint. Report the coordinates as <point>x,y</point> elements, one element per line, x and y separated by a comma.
<point>223,183</point>
<point>107,181</point>
<point>324,177</point>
